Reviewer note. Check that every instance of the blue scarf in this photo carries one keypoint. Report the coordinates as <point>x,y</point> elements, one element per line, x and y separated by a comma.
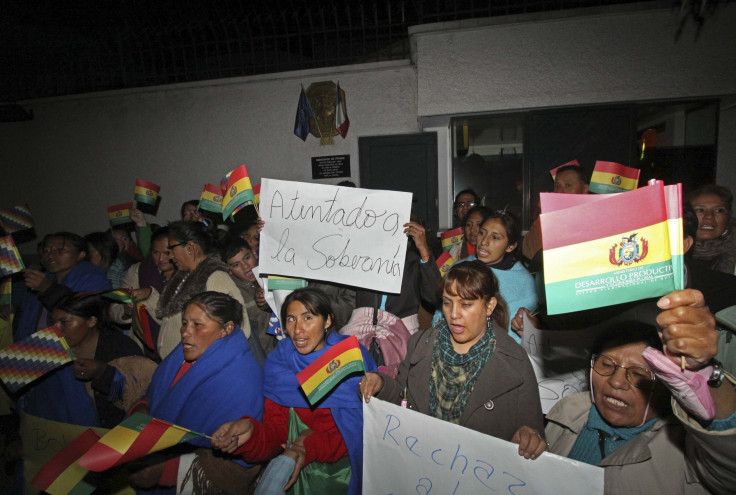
<point>83,277</point>
<point>587,447</point>
<point>223,385</point>
<point>282,387</point>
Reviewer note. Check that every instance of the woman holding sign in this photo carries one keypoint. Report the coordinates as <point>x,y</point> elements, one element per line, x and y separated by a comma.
<point>319,450</point>
<point>466,369</point>
<point>648,440</point>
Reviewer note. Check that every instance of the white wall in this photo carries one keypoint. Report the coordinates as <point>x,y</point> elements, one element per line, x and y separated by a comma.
<point>578,58</point>
<point>83,153</point>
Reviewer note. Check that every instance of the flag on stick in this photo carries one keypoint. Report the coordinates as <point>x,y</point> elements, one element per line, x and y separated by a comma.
<point>16,219</point>
<point>134,437</point>
<point>238,191</point>
<point>285,283</point>
<point>324,374</point>
<point>553,172</point>
<point>610,177</point>
<point>62,474</point>
<point>451,238</point>
<point>211,199</point>
<point>142,326</point>
<point>118,214</point>
<point>342,122</point>
<point>10,260</point>
<point>257,193</point>
<point>303,116</point>
<point>444,262</point>
<point>31,358</point>
<point>596,255</point>
<point>146,192</point>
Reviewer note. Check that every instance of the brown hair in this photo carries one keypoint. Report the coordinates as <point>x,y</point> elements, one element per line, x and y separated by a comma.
<point>474,280</point>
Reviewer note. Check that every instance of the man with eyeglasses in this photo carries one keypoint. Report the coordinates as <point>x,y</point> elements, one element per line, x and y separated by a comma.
<point>464,201</point>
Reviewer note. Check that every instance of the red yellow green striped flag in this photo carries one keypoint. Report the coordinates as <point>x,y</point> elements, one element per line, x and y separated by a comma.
<point>10,260</point>
<point>611,177</point>
<point>134,437</point>
<point>444,262</point>
<point>238,191</point>
<point>62,474</point>
<point>452,237</point>
<point>141,325</point>
<point>119,295</point>
<point>211,199</point>
<point>118,214</point>
<point>31,358</point>
<point>601,250</point>
<point>257,193</point>
<point>146,192</point>
<point>325,373</point>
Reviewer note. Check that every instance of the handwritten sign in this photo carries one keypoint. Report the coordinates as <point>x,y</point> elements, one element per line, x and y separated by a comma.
<point>560,358</point>
<point>408,452</point>
<point>346,235</point>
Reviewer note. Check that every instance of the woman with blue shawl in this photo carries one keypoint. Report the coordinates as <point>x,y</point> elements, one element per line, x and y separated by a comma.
<point>211,376</point>
<point>321,448</point>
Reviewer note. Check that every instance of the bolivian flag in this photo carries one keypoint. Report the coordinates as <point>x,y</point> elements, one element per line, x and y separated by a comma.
<point>452,237</point>
<point>257,193</point>
<point>324,374</point>
<point>141,326</point>
<point>607,249</point>
<point>134,437</point>
<point>238,191</point>
<point>610,177</point>
<point>285,283</point>
<point>146,192</point>
<point>553,172</point>
<point>444,262</point>
<point>118,214</point>
<point>119,295</point>
<point>62,474</point>
<point>211,199</point>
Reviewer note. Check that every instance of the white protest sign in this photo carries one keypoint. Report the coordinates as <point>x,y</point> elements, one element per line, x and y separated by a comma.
<point>346,235</point>
<point>408,452</point>
<point>560,358</point>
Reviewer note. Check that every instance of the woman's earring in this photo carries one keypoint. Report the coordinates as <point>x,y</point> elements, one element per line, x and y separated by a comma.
<point>489,322</point>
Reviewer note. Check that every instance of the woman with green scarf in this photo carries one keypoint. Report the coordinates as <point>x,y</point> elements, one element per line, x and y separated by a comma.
<point>466,369</point>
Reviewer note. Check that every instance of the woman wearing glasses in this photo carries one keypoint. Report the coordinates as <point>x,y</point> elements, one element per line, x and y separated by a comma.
<point>194,253</point>
<point>464,201</point>
<point>647,439</point>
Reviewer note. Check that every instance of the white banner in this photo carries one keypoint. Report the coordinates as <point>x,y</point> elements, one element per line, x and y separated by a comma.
<point>346,235</point>
<point>408,452</point>
<point>560,358</point>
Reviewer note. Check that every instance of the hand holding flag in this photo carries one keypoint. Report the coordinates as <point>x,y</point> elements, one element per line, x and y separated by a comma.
<point>327,371</point>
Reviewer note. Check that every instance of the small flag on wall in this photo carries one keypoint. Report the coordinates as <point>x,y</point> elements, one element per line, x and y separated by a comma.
<point>146,192</point>
<point>10,260</point>
<point>303,116</point>
<point>118,214</point>
<point>610,177</point>
<point>342,122</point>
<point>29,359</point>
<point>328,370</point>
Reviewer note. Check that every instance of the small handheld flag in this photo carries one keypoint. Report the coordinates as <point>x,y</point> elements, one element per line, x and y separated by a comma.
<point>118,214</point>
<point>16,219</point>
<point>303,116</point>
<point>238,191</point>
<point>444,262</point>
<point>134,437</point>
<point>452,238</point>
<point>29,359</point>
<point>325,373</point>
<point>285,283</point>
<point>211,199</point>
<point>10,260</point>
<point>62,474</point>
<point>142,326</point>
<point>146,192</point>
<point>610,177</point>
<point>119,295</point>
<point>257,193</point>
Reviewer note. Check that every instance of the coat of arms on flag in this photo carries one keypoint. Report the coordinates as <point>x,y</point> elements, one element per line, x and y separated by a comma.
<point>327,371</point>
<point>146,192</point>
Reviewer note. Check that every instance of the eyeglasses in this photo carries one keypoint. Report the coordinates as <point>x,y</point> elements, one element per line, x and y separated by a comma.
<point>636,375</point>
<point>175,245</point>
<point>469,204</point>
